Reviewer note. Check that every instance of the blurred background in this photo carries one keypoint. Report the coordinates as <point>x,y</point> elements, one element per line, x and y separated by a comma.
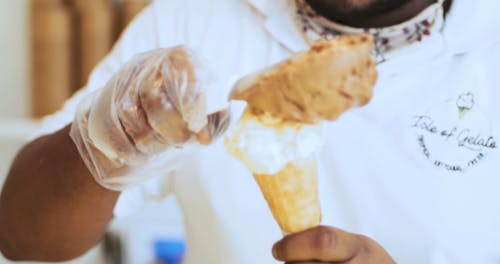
<point>48,48</point>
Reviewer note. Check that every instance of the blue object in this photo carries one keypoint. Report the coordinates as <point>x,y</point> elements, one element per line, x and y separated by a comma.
<point>170,251</point>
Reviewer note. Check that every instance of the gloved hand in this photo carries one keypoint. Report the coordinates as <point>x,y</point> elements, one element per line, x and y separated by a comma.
<point>154,104</point>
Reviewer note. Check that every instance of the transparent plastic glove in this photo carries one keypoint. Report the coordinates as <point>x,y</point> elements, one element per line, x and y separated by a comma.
<point>156,103</point>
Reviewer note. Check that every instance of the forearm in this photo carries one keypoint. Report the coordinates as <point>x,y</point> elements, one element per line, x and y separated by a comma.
<point>51,208</point>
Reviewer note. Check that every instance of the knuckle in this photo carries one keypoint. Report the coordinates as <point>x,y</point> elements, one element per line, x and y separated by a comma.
<point>368,251</point>
<point>324,239</point>
<point>364,245</point>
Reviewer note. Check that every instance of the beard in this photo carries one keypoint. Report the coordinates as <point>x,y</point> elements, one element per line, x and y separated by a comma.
<point>355,9</point>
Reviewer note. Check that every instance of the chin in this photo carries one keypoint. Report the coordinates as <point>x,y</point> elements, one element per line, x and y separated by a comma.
<point>359,3</point>
<point>344,4</point>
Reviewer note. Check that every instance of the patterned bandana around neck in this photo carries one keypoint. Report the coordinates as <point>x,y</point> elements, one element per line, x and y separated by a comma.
<point>430,21</point>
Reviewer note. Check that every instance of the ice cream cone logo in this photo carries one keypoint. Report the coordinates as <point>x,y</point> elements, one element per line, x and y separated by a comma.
<point>465,103</point>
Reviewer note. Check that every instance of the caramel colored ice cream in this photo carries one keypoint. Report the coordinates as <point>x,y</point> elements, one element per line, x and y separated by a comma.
<point>315,85</point>
<point>280,133</point>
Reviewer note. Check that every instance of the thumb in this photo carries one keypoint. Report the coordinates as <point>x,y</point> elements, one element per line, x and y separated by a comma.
<point>220,121</point>
<point>220,110</point>
<point>216,126</point>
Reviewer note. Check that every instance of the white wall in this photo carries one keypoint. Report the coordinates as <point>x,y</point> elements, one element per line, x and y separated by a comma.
<point>14,59</point>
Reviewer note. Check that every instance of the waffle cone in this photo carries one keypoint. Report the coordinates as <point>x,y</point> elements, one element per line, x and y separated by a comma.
<point>292,195</point>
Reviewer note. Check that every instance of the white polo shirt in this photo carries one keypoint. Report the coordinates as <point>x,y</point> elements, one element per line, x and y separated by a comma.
<point>417,169</point>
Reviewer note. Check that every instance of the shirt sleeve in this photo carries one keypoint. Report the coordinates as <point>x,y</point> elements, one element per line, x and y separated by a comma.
<point>140,36</point>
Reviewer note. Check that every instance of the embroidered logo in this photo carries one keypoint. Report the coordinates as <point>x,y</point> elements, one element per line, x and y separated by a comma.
<point>454,141</point>
<point>465,103</point>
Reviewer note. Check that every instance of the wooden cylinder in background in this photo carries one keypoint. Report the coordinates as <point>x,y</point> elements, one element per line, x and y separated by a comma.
<point>94,34</point>
<point>130,8</point>
<point>52,55</point>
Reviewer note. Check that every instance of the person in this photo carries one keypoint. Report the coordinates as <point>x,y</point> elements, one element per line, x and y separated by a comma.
<point>409,178</point>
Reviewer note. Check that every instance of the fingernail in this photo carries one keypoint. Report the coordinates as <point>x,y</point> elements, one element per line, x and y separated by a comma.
<point>275,251</point>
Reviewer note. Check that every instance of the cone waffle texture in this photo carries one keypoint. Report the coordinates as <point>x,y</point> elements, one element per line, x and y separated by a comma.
<point>292,195</point>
